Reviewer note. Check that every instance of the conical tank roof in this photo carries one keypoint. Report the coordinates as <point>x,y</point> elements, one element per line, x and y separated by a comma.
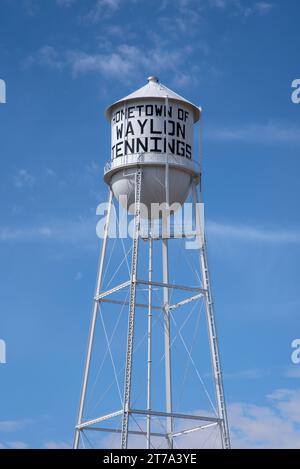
<point>154,89</point>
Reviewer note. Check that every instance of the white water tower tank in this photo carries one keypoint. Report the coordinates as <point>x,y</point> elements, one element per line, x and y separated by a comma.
<point>149,128</point>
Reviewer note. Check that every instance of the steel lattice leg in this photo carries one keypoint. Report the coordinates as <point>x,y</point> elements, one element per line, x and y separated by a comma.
<point>149,344</point>
<point>214,347</point>
<point>93,323</point>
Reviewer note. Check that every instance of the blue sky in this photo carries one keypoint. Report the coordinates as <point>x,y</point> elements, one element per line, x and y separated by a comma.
<point>63,62</point>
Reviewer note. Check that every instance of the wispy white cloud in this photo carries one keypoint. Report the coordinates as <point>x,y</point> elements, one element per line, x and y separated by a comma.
<point>57,445</point>
<point>225,6</point>
<point>287,401</point>
<point>260,8</point>
<point>31,7</point>
<point>274,424</point>
<point>10,425</point>
<point>23,179</point>
<point>238,6</point>
<point>78,276</point>
<point>252,233</point>
<point>46,56</point>
<point>186,18</point>
<point>122,62</point>
<point>167,53</point>
<point>293,372</point>
<point>125,60</point>
<point>117,64</point>
<point>50,172</point>
<point>82,230</point>
<point>219,3</point>
<point>267,426</point>
<point>116,30</point>
<point>251,374</point>
<point>14,445</point>
<point>102,9</point>
<point>270,133</point>
<point>65,3</point>
<point>17,445</point>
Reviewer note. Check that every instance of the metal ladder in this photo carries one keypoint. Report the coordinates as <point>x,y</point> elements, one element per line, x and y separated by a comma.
<point>215,350</point>
<point>212,332</point>
<point>131,318</point>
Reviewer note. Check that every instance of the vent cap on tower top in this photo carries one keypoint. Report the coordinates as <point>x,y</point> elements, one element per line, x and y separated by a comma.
<point>153,79</point>
<point>154,89</point>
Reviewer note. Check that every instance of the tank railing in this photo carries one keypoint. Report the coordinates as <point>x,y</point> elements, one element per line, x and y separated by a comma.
<point>144,158</point>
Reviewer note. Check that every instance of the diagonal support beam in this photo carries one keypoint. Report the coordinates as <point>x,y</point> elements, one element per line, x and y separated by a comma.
<point>112,290</point>
<point>186,301</point>
<point>172,285</point>
<point>126,303</point>
<point>176,415</point>
<point>130,432</point>
<point>191,430</point>
<point>99,419</point>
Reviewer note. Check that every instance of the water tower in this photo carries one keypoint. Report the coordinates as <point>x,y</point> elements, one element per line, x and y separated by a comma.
<point>145,313</point>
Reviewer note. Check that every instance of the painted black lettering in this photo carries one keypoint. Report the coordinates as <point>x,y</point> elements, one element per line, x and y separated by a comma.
<point>119,149</point>
<point>155,140</point>
<point>119,131</point>
<point>130,112</point>
<point>141,146</point>
<point>180,114</point>
<point>158,110</point>
<point>152,130</point>
<point>180,130</point>
<point>179,148</point>
<point>171,146</point>
<point>129,129</point>
<point>188,151</point>
<point>129,145</point>
<point>142,125</point>
<point>171,130</point>
<point>139,108</point>
<point>149,110</point>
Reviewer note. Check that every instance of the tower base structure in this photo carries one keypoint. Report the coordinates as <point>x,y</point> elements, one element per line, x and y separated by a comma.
<point>152,376</point>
